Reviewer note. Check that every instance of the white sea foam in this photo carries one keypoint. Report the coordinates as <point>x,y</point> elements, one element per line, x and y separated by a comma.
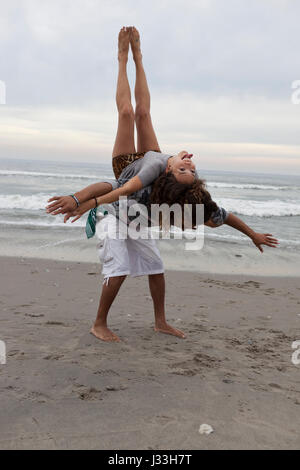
<point>214,184</point>
<point>46,222</point>
<point>269,208</point>
<point>55,175</point>
<point>263,198</point>
<point>18,201</point>
<point>210,184</point>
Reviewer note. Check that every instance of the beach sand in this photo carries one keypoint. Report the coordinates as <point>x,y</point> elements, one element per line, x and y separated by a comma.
<point>61,388</point>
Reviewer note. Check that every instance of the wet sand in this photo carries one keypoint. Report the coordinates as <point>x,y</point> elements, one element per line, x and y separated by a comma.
<point>61,388</point>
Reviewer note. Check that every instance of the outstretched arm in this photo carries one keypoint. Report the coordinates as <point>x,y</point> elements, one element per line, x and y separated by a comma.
<point>133,185</point>
<point>128,188</point>
<point>64,204</point>
<point>102,191</point>
<point>257,238</point>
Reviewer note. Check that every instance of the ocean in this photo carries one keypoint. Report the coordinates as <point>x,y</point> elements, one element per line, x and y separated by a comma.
<point>269,203</point>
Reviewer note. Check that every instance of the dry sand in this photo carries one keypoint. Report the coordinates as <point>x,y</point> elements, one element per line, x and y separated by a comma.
<point>63,388</point>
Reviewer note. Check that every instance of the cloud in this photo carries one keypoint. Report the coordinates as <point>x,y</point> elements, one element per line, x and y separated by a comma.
<point>65,51</point>
<point>217,130</point>
<point>219,73</point>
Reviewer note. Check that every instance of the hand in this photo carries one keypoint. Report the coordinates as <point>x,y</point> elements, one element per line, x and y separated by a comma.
<point>82,209</point>
<point>264,239</point>
<point>62,205</point>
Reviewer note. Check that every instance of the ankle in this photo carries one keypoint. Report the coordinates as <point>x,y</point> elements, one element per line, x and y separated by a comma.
<point>100,324</point>
<point>161,321</point>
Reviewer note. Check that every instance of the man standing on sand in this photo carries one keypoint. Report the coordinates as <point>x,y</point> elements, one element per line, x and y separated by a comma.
<point>175,175</point>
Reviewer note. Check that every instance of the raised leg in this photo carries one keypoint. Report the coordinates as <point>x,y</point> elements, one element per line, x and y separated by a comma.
<point>157,289</point>
<point>124,142</point>
<point>146,138</point>
<point>108,295</point>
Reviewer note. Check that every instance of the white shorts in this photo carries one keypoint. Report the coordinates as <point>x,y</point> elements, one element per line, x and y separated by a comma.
<point>120,257</point>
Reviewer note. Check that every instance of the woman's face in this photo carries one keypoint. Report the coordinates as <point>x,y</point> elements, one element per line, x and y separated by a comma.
<point>182,167</point>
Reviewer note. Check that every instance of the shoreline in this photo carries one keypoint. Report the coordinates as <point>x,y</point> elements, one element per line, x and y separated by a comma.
<point>61,388</point>
<point>195,271</point>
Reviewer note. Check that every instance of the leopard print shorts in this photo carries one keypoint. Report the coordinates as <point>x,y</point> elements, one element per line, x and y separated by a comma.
<point>122,161</point>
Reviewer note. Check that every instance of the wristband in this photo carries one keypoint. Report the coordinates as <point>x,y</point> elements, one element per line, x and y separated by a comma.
<point>75,199</point>
<point>96,202</point>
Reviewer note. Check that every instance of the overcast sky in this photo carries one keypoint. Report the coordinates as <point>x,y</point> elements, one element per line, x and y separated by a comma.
<point>220,75</point>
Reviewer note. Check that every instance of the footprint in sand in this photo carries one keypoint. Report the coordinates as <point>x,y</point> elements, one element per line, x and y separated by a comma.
<point>34,315</point>
<point>16,354</point>
<point>36,396</point>
<point>184,372</point>
<point>162,420</point>
<point>53,357</point>
<point>253,283</point>
<point>106,372</point>
<point>89,394</point>
<point>276,386</point>
<point>115,388</point>
<point>206,361</point>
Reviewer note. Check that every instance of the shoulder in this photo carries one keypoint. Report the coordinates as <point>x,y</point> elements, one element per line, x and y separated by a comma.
<point>156,154</point>
<point>151,155</point>
<point>158,158</point>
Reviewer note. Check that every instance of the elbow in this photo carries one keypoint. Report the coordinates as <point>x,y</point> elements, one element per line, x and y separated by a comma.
<point>228,218</point>
<point>211,224</point>
<point>126,190</point>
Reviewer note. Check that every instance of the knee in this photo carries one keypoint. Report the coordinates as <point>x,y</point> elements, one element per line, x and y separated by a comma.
<point>126,111</point>
<point>142,112</point>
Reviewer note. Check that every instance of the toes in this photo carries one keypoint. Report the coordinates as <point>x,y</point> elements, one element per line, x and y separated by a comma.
<point>171,331</point>
<point>108,336</point>
<point>114,337</point>
<point>181,335</point>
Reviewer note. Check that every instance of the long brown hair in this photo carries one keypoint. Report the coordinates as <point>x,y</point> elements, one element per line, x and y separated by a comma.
<point>166,189</point>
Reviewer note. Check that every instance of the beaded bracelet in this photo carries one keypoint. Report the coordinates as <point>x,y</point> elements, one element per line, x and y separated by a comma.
<point>75,199</point>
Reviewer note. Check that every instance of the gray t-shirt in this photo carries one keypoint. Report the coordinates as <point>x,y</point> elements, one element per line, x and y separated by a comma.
<point>148,169</point>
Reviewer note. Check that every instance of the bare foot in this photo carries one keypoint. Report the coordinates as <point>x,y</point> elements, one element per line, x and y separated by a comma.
<point>135,44</point>
<point>123,43</point>
<point>104,333</point>
<point>169,330</point>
